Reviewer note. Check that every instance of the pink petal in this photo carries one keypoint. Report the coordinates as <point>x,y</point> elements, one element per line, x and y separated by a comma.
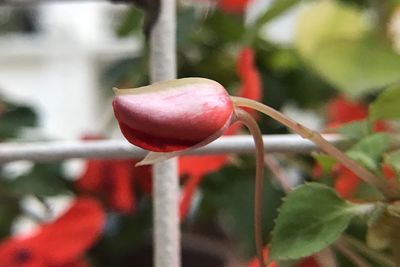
<point>172,115</point>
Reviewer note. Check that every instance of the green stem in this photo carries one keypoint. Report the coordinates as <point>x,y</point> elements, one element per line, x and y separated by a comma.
<point>388,191</point>
<point>251,124</point>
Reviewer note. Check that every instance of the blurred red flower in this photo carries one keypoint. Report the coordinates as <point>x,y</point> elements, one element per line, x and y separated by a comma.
<point>346,182</point>
<point>255,263</point>
<point>60,243</point>
<point>196,167</point>
<point>307,262</point>
<point>341,111</point>
<point>114,181</point>
<point>233,6</point>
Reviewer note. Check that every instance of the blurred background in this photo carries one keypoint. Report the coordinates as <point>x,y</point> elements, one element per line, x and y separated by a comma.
<point>320,62</point>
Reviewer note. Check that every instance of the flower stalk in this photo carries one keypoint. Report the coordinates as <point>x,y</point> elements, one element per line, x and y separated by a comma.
<point>388,191</point>
<point>254,130</point>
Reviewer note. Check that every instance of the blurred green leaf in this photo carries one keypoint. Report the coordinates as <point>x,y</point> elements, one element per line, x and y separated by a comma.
<point>364,159</point>
<point>14,119</point>
<point>356,66</point>
<point>224,28</point>
<point>393,159</point>
<point>335,41</point>
<point>126,73</point>
<point>370,149</point>
<point>324,21</point>
<point>355,130</point>
<point>386,106</point>
<point>9,210</point>
<point>130,23</point>
<point>231,192</point>
<point>277,8</point>
<point>325,161</point>
<point>188,23</point>
<point>302,229</point>
<point>43,180</point>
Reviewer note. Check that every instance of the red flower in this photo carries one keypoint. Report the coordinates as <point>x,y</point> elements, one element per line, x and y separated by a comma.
<point>341,110</point>
<point>233,6</point>
<point>307,262</point>
<point>60,243</point>
<point>196,167</point>
<point>114,181</point>
<point>388,172</point>
<point>251,86</point>
<point>255,263</point>
<point>346,182</point>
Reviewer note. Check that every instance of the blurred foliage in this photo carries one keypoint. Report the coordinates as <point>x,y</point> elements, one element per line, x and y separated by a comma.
<point>17,19</point>
<point>15,118</point>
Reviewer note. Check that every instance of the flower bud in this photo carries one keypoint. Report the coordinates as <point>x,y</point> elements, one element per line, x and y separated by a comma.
<point>173,115</point>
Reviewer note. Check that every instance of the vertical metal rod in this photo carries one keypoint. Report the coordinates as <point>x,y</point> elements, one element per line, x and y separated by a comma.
<point>165,174</point>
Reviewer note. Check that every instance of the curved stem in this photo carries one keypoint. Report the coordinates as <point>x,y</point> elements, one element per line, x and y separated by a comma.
<point>251,124</point>
<point>388,191</point>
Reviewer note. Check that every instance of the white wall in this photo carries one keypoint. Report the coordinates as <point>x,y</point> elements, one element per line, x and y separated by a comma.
<point>58,71</point>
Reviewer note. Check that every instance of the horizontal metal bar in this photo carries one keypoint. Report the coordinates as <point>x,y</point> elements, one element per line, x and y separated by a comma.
<point>61,150</point>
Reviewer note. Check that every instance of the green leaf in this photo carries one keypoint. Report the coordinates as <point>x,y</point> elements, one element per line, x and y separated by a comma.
<point>386,106</point>
<point>237,216</point>
<point>335,41</point>
<point>312,217</point>
<point>326,20</point>
<point>15,118</point>
<point>355,130</point>
<point>364,159</point>
<point>325,161</point>
<point>277,8</point>
<point>224,28</point>
<point>393,159</point>
<point>356,66</point>
<point>369,150</point>
<point>43,180</point>
<point>130,23</point>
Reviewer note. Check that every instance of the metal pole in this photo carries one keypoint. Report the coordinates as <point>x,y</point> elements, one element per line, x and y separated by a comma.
<point>165,174</point>
<point>109,149</point>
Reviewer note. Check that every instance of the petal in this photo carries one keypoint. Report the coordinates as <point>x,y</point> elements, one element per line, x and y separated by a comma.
<point>20,252</point>
<point>196,167</point>
<point>173,115</point>
<point>143,178</point>
<point>233,6</point>
<point>388,172</point>
<point>91,179</point>
<point>254,262</point>
<point>347,182</point>
<point>308,262</point>
<point>251,86</point>
<point>120,193</point>
<point>341,110</point>
<point>73,233</point>
<point>78,263</point>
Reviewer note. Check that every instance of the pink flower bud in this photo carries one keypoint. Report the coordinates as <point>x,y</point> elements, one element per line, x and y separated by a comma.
<point>173,115</point>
